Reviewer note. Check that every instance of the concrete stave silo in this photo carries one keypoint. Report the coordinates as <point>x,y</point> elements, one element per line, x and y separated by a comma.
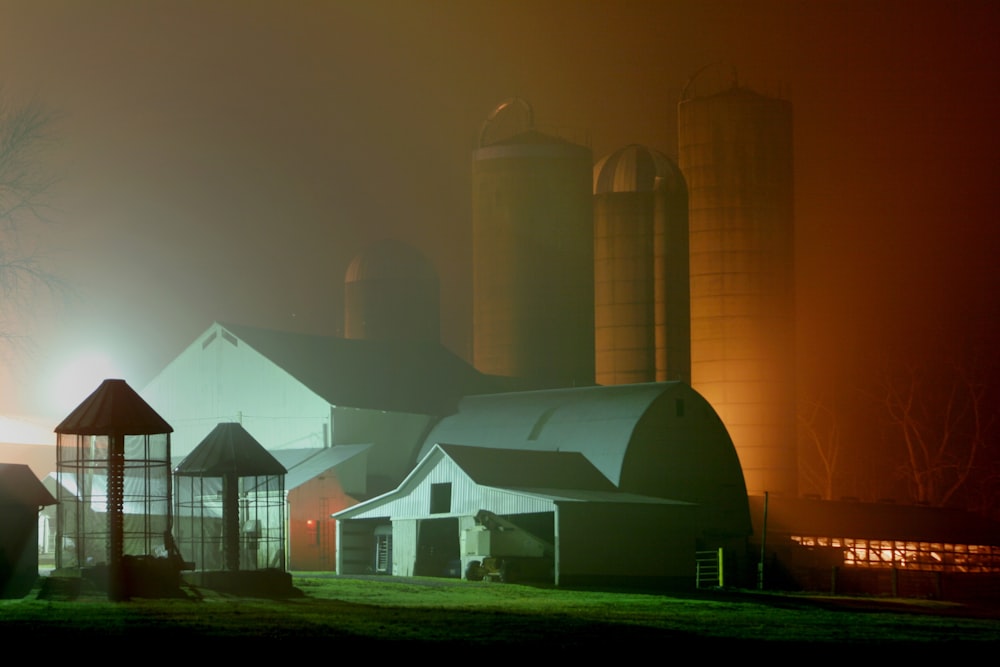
<point>533,266</point>
<point>735,150</point>
<point>392,292</point>
<point>641,288</point>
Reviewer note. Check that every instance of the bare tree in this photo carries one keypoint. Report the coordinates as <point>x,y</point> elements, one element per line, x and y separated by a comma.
<point>942,422</point>
<point>26,187</point>
<point>820,429</point>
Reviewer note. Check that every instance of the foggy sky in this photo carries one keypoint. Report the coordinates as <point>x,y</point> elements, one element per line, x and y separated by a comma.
<point>225,160</point>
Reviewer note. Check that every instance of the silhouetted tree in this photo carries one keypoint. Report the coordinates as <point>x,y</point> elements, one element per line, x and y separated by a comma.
<point>821,436</point>
<point>26,186</point>
<point>942,421</point>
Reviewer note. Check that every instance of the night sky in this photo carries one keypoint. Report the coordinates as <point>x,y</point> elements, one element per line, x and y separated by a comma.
<point>225,160</point>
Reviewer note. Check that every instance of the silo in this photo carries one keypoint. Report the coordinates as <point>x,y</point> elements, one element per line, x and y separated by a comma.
<point>641,296</point>
<point>533,255</point>
<point>735,150</point>
<point>392,292</point>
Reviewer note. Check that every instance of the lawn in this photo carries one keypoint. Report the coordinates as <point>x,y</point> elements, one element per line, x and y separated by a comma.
<point>423,613</point>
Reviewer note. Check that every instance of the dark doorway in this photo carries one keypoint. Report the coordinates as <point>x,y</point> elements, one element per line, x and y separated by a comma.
<point>437,549</point>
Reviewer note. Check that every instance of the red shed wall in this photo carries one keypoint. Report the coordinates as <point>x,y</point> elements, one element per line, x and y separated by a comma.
<point>312,533</point>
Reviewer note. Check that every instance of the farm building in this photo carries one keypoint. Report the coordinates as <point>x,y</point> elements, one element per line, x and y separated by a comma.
<point>884,548</point>
<point>582,475</point>
<point>319,481</point>
<point>22,496</point>
<point>295,391</point>
<point>345,417</point>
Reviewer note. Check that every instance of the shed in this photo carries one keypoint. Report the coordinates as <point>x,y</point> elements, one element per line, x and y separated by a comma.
<point>320,482</point>
<point>22,495</point>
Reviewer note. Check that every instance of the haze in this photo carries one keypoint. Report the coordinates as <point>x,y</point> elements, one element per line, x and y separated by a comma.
<point>225,160</point>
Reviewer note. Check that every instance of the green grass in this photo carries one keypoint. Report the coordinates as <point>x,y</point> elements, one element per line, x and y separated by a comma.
<point>422,613</point>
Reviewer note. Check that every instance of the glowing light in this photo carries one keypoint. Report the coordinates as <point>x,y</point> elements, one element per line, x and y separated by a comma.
<point>78,378</point>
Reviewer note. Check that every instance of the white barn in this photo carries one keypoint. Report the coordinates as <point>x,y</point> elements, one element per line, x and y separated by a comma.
<point>294,391</point>
<point>606,483</point>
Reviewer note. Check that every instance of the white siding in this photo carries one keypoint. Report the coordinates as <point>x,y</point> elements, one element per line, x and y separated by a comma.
<point>221,379</point>
<point>413,499</point>
<point>404,547</point>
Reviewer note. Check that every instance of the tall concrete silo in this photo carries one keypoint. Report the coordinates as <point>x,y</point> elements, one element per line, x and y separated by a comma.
<point>735,150</point>
<point>642,311</point>
<point>533,255</point>
<point>392,292</point>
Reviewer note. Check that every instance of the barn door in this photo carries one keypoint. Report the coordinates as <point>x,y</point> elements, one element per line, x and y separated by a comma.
<point>437,549</point>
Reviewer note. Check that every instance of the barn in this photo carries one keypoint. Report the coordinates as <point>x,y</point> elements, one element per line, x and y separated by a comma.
<point>595,484</point>
<point>345,417</point>
<point>303,391</point>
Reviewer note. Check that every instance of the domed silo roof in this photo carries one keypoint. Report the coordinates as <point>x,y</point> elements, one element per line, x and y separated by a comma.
<point>391,291</point>
<point>641,301</point>
<point>533,254</point>
<point>637,168</point>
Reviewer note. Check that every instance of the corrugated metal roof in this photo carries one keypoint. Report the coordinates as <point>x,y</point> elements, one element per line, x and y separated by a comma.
<point>562,477</point>
<point>114,408</point>
<point>520,469</point>
<point>597,422</point>
<point>304,465</point>
<point>229,448</point>
<point>417,377</point>
<point>19,486</point>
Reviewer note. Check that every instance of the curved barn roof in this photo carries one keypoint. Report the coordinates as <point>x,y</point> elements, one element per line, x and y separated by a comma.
<point>659,439</point>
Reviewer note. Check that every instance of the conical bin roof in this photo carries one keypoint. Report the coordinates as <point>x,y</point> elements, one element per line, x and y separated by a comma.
<point>229,448</point>
<point>113,409</point>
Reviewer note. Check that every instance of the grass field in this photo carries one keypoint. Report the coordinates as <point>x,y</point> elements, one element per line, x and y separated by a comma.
<point>418,613</point>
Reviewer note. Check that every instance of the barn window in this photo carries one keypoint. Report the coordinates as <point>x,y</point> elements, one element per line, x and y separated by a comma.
<point>441,498</point>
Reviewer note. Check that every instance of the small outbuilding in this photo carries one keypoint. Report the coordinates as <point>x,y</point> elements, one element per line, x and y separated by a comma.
<point>22,495</point>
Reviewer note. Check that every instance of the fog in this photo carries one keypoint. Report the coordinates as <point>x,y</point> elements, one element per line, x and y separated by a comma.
<point>226,160</point>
